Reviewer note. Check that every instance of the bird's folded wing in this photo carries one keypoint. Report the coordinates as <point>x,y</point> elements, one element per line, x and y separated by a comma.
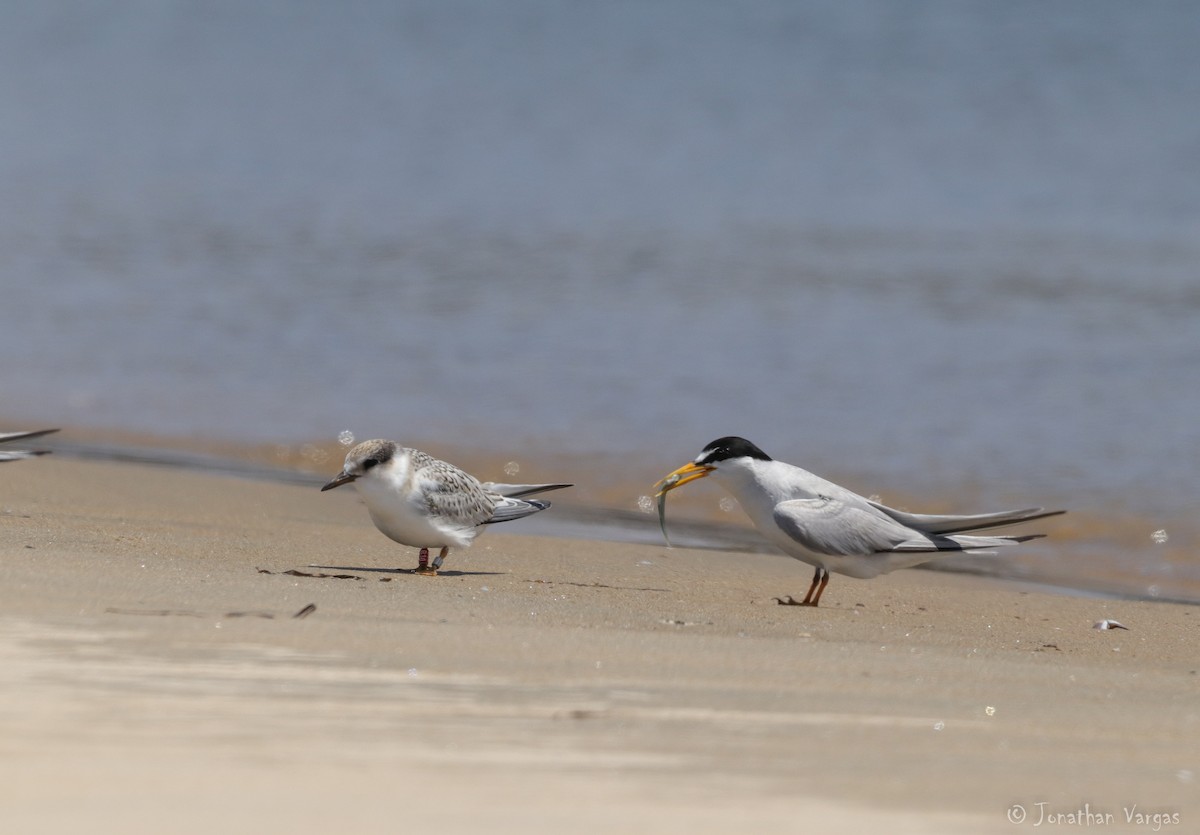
<point>457,504</point>
<point>516,491</point>
<point>827,525</point>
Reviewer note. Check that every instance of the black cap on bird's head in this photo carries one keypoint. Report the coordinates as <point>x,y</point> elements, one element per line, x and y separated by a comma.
<point>722,449</point>
<point>731,446</point>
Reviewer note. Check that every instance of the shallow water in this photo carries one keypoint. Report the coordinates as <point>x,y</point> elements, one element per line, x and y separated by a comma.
<point>934,249</point>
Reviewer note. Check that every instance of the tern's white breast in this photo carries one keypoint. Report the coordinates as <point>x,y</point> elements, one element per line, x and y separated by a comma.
<point>402,514</point>
<point>758,487</point>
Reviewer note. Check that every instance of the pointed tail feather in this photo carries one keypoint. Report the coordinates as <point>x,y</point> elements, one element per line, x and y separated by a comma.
<point>21,454</point>
<point>967,544</point>
<point>510,509</point>
<point>918,552</point>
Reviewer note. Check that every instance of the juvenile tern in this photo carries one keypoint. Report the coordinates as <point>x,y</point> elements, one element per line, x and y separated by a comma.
<point>417,500</point>
<point>18,454</point>
<point>832,528</point>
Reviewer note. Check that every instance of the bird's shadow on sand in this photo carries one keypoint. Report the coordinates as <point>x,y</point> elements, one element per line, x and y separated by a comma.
<point>413,571</point>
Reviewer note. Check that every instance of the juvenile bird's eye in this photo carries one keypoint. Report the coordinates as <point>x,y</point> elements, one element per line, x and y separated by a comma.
<point>369,463</point>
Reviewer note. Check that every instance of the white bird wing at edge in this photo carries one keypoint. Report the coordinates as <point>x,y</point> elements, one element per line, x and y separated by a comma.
<point>517,491</point>
<point>21,454</point>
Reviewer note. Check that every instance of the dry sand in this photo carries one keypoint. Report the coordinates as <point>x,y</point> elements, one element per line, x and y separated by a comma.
<point>155,680</point>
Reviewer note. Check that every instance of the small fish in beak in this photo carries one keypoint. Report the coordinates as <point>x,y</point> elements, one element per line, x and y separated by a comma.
<point>688,472</point>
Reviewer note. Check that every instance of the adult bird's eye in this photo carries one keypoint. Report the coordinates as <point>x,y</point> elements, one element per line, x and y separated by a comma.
<point>369,463</point>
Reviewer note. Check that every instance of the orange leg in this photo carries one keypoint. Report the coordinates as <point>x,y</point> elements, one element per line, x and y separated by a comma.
<point>821,590</point>
<point>819,581</point>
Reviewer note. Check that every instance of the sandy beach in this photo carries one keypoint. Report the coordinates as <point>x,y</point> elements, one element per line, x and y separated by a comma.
<point>157,679</point>
<point>941,254</point>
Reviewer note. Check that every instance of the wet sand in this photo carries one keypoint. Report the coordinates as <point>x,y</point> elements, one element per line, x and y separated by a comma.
<point>156,679</point>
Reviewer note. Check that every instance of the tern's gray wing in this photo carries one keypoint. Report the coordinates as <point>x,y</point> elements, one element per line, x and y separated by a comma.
<point>831,526</point>
<point>826,525</point>
<point>516,491</point>
<point>958,524</point>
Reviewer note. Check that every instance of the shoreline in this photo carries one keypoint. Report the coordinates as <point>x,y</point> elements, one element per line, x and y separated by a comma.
<point>157,671</point>
<point>1073,558</point>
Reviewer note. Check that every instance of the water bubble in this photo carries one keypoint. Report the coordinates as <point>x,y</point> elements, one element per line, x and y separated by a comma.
<point>875,497</point>
<point>989,710</point>
<point>727,504</point>
<point>1159,536</point>
<point>937,726</point>
<point>345,437</point>
<point>645,504</point>
<point>512,468</point>
<point>412,672</point>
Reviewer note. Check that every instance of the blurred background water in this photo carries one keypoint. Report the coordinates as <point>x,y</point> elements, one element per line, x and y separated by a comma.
<point>929,247</point>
